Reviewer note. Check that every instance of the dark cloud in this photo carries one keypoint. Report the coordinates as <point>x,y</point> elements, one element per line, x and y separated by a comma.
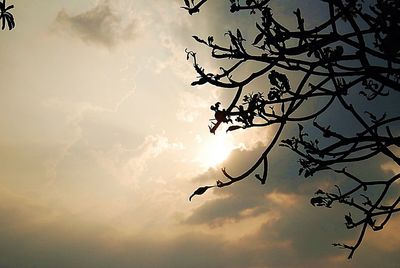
<point>301,235</point>
<point>33,235</point>
<point>235,199</point>
<point>100,25</point>
<point>227,209</point>
<point>247,195</point>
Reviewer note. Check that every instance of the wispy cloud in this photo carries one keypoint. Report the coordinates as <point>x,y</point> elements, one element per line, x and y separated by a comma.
<point>100,25</point>
<point>152,146</point>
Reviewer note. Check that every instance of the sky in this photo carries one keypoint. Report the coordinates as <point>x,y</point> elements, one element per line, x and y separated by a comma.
<point>103,140</point>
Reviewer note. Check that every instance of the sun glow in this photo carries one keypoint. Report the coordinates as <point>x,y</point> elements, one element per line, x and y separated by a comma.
<point>214,150</point>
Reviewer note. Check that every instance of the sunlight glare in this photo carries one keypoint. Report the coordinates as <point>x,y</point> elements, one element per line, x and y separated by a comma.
<point>214,150</point>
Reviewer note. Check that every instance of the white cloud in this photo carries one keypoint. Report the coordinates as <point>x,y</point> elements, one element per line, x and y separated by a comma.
<point>128,165</point>
<point>191,106</point>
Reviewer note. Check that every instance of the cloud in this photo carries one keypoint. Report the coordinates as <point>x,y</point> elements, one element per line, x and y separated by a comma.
<point>191,106</point>
<point>239,201</point>
<point>290,232</point>
<point>151,148</point>
<point>100,26</point>
<point>391,166</point>
<point>35,234</point>
<point>225,210</point>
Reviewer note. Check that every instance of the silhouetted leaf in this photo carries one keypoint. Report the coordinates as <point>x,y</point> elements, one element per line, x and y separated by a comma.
<point>371,116</point>
<point>200,191</point>
<point>199,39</point>
<point>201,81</point>
<point>232,128</point>
<point>319,192</point>
<point>239,35</point>
<point>10,22</point>
<point>258,38</point>
<point>349,220</point>
<point>318,201</point>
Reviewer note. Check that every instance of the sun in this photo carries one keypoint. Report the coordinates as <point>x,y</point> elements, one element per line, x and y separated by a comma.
<point>214,150</point>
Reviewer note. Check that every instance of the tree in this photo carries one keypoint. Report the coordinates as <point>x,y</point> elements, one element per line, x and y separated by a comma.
<point>350,61</point>
<point>6,16</point>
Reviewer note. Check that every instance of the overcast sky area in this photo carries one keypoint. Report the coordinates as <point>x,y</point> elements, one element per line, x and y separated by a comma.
<point>103,140</point>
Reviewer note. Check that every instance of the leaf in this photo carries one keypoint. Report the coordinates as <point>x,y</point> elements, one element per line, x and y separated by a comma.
<point>201,81</point>
<point>3,22</point>
<point>11,23</point>
<point>239,35</point>
<point>319,192</point>
<point>349,220</point>
<point>200,191</point>
<point>232,128</point>
<point>372,116</point>
<point>300,127</point>
<point>339,51</point>
<point>199,39</point>
<point>258,38</point>
<point>317,201</point>
<point>10,7</point>
<point>210,40</point>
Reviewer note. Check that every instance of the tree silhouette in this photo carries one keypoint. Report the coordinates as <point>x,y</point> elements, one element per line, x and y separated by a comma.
<point>6,16</point>
<point>347,63</point>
